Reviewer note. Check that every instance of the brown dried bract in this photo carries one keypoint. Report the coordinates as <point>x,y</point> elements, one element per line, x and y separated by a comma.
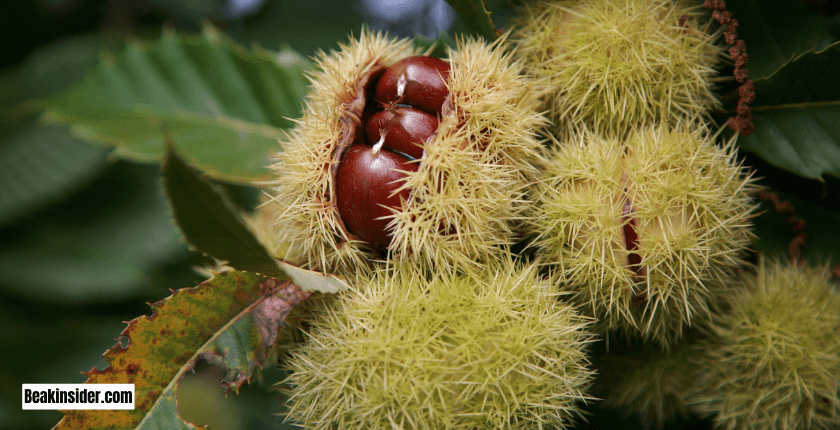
<point>742,121</point>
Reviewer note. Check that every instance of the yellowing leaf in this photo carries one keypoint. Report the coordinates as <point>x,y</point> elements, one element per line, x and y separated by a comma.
<point>230,320</point>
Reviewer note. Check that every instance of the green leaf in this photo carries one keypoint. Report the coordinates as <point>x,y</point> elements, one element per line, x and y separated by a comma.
<point>42,165</point>
<point>100,245</point>
<point>48,71</point>
<point>212,225</point>
<point>797,115</point>
<point>438,46</point>
<point>776,31</point>
<point>230,321</point>
<point>210,221</point>
<point>226,106</point>
<point>476,17</point>
<point>193,10</point>
<point>308,26</point>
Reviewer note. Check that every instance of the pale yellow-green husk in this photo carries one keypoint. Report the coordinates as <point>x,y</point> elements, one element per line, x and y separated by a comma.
<point>691,203</point>
<point>469,191</point>
<point>307,218</point>
<point>410,349</point>
<point>615,64</point>
<point>775,360</point>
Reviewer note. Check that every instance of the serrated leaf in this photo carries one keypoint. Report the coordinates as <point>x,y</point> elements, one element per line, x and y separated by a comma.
<point>212,225</point>
<point>776,31</point>
<point>210,221</point>
<point>230,320</point>
<point>476,16</point>
<point>797,115</point>
<point>226,106</point>
<point>49,70</point>
<point>41,165</point>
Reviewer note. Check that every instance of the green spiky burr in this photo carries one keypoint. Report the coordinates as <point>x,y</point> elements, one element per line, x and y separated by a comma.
<point>611,65</point>
<point>646,383</point>
<point>643,231</point>
<point>775,361</point>
<point>410,349</point>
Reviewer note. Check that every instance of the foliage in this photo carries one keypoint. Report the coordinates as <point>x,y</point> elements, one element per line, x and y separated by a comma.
<point>87,224</point>
<point>224,105</point>
<point>231,320</point>
<point>794,113</point>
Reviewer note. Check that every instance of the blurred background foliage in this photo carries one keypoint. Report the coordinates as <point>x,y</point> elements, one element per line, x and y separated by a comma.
<point>86,238</point>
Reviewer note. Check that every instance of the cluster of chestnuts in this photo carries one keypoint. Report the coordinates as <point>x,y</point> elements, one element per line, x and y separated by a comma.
<point>408,175</point>
<point>398,121</point>
<point>407,157</point>
<point>414,176</point>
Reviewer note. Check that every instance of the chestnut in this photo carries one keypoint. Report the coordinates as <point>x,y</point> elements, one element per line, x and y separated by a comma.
<point>365,185</point>
<point>462,204</point>
<point>418,81</point>
<point>631,239</point>
<point>401,129</point>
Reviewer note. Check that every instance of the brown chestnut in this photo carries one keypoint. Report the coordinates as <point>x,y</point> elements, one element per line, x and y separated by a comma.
<point>365,183</point>
<point>631,239</point>
<point>401,129</point>
<point>418,81</point>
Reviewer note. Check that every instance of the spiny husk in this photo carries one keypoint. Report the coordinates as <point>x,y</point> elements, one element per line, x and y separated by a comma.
<point>642,381</point>
<point>775,362</point>
<point>468,191</point>
<point>616,64</point>
<point>691,204</point>
<point>409,349</point>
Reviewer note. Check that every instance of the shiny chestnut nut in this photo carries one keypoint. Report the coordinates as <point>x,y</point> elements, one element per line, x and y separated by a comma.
<point>462,203</point>
<point>365,182</point>
<point>418,81</point>
<point>401,129</point>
